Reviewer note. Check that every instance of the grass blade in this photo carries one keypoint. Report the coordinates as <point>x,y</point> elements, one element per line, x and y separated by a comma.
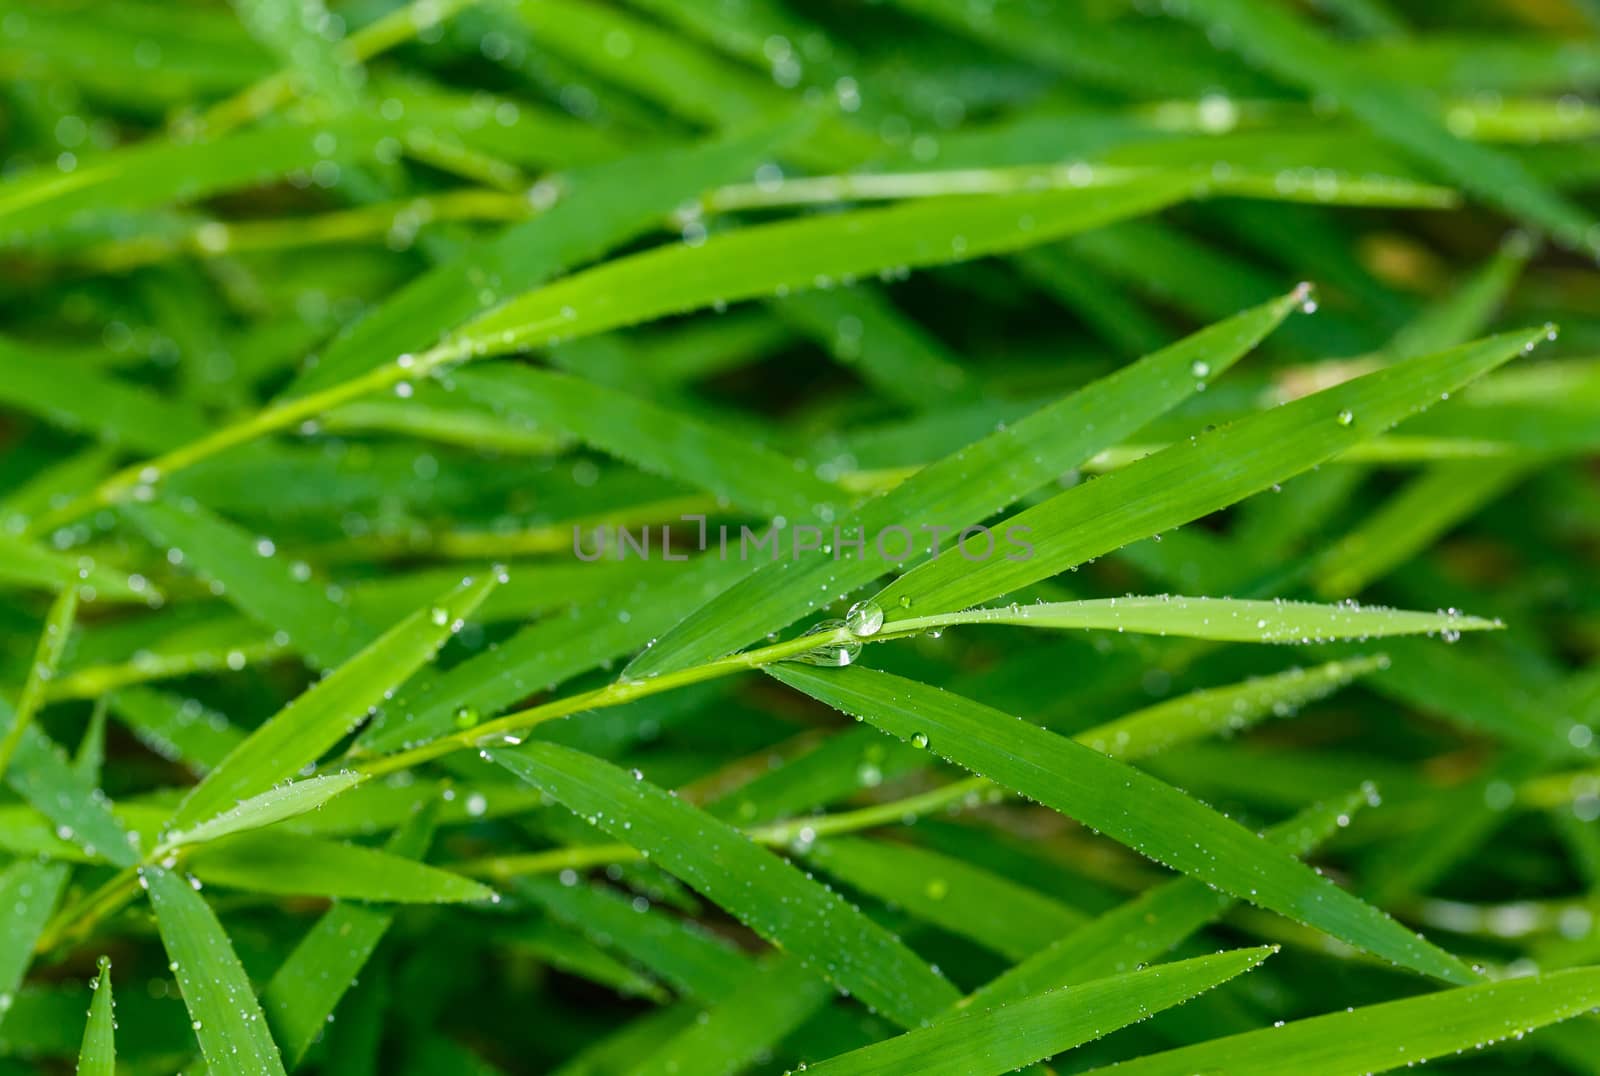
<point>44,777</point>
<point>264,809</point>
<point>1018,459</point>
<point>1007,1038</point>
<point>1377,1038</point>
<point>278,594</point>
<point>1210,472</point>
<point>752,883</point>
<point>1284,43</point>
<point>1121,802</point>
<point>653,438</point>
<point>226,1017</point>
<point>1226,619</point>
<point>98,1054</point>
<point>29,892</point>
<point>599,208</point>
<point>735,265</point>
<point>303,866</point>
<point>46,659</point>
<point>302,994</point>
<point>301,732</point>
<point>1150,924</point>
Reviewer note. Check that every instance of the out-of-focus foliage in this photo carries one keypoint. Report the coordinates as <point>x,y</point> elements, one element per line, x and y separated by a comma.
<point>1149,448</point>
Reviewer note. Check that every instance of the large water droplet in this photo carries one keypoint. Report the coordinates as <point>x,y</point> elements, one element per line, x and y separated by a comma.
<point>864,619</point>
<point>834,654</point>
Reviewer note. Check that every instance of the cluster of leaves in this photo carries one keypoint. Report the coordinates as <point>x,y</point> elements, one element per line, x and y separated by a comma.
<point>354,357</point>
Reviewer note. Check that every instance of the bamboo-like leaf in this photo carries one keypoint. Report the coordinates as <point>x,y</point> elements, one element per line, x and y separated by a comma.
<point>25,564</point>
<point>46,659</point>
<point>1282,42</point>
<point>43,776</point>
<point>774,998</point>
<point>1229,619</point>
<point>772,897</point>
<point>1151,923</point>
<point>226,1017</point>
<point>735,266</point>
<point>1211,472</point>
<point>600,207</point>
<point>1376,1038</point>
<point>318,719</point>
<point>1140,811</point>
<point>265,809</point>
<point>280,594</point>
<point>302,994</point>
<point>948,893</point>
<point>691,959</point>
<point>653,438</point>
<point>1019,458</point>
<point>86,401</point>
<point>29,891</point>
<point>98,1055</point>
<point>1210,711</point>
<point>1011,1036</point>
<point>304,866</point>
<point>154,173</point>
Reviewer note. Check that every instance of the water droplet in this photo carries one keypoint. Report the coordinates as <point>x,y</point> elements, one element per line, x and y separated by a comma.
<point>835,654</point>
<point>1347,417</point>
<point>864,619</point>
<point>466,717</point>
<point>920,741</point>
<point>439,615</point>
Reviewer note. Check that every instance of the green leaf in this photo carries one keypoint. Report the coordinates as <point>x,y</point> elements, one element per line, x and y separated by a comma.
<point>24,564</point>
<point>737,265</point>
<point>1152,923</point>
<point>159,171</point>
<point>302,994</point>
<point>1376,1038</point>
<point>85,401</point>
<point>1225,710</point>
<point>264,809</point>
<point>279,594</point>
<point>773,999</point>
<point>1015,460</point>
<point>768,895</point>
<point>226,1018</point>
<point>599,208</point>
<point>43,776</point>
<point>301,732</point>
<point>46,659</point>
<point>1011,1036</point>
<point>98,1055</point>
<point>682,953</point>
<point>547,653</point>
<point>305,866</point>
<point>947,892</point>
<point>1410,521</point>
<point>891,351</point>
<point>1149,816</point>
<point>1191,479</point>
<point>653,438</point>
<point>1227,619</point>
<point>29,891</point>
<point>1285,44</point>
